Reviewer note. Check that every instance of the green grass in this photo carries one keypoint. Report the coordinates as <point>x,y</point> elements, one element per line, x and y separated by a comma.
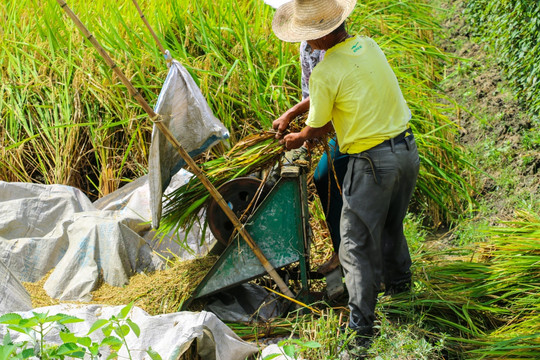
<point>483,298</point>
<point>67,119</point>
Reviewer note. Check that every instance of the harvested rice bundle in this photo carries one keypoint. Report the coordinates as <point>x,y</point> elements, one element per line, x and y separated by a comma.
<point>486,297</point>
<point>251,154</point>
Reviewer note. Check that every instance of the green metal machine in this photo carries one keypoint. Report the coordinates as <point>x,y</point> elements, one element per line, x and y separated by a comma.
<point>279,225</point>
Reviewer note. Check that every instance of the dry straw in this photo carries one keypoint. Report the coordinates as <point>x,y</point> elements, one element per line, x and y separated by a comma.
<point>159,292</point>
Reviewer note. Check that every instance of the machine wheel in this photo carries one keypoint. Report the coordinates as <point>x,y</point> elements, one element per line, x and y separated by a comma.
<point>239,195</point>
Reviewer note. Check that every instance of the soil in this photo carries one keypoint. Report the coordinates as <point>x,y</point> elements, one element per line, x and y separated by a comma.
<point>493,124</point>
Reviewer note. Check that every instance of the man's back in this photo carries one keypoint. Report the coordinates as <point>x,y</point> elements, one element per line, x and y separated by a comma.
<point>355,87</point>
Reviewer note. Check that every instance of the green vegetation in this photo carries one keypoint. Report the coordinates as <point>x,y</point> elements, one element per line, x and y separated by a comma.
<point>512,27</point>
<point>484,297</point>
<point>36,327</point>
<point>66,119</point>
<point>474,302</point>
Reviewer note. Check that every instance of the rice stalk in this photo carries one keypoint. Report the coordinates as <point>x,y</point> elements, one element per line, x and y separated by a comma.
<point>251,154</point>
<point>66,118</point>
<point>486,298</point>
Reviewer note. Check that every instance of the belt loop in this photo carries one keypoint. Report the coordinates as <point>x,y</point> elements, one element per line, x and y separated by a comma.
<point>407,144</point>
<point>392,144</point>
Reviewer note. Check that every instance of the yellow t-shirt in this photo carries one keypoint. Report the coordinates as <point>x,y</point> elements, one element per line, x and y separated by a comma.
<point>356,89</point>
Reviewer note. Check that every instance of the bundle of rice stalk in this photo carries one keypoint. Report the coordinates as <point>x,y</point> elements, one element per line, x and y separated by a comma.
<point>516,341</point>
<point>447,297</point>
<point>489,302</point>
<point>514,283</point>
<point>251,154</point>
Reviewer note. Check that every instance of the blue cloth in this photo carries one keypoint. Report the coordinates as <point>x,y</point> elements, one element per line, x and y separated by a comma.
<point>323,173</point>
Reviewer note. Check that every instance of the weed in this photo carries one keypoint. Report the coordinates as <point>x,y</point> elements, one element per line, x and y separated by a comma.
<point>36,328</point>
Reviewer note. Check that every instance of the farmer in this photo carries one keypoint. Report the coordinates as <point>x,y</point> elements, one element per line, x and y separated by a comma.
<point>354,91</point>
<point>333,161</point>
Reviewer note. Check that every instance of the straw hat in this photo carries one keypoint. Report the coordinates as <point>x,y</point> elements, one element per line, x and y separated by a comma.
<point>300,20</point>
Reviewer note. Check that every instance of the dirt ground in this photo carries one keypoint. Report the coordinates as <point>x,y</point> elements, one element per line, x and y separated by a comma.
<point>493,124</point>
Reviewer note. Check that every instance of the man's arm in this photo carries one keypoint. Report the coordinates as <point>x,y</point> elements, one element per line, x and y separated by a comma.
<point>281,123</point>
<point>295,140</point>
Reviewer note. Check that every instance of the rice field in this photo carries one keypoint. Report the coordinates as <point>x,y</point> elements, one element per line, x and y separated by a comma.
<point>67,119</point>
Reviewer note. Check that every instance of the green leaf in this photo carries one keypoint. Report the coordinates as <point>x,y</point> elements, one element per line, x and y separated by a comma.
<point>94,349</point>
<point>289,350</point>
<point>98,324</point>
<point>84,341</point>
<point>122,330</point>
<point>28,353</point>
<point>51,318</point>
<point>125,311</point>
<point>6,351</point>
<point>68,348</point>
<point>312,344</point>
<point>22,330</point>
<point>107,330</point>
<point>271,356</point>
<point>40,316</point>
<point>78,354</point>
<point>10,318</point>
<point>7,339</point>
<point>153,354</point>
<point>112,356</point>
<point>29,323</point>
<point>134,327</point>
<point>68,337</point>
<point>68,319</point>
<point>112,341</point>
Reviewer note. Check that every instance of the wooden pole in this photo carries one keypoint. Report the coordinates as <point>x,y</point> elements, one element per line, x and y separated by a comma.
<point>148,26</point>
<point>191,163</point>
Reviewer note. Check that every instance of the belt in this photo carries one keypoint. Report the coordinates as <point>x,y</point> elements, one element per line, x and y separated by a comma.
<point>395,140</point>
<point>403,136</point>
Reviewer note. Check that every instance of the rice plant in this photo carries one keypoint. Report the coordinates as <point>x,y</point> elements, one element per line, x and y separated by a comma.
<point>66,119</point>
<point>486,298</point>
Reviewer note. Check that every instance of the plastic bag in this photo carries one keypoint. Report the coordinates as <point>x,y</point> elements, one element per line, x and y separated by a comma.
<point>184,110</point>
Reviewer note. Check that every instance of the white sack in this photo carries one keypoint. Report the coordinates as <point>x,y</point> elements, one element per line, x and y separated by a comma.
<point>133,200</point>
<point>45,227</point>
<point>99,243</point>
<point>185,112</point>
<point>170,335</point>
<point>33,223</point>
<point>13,296</point>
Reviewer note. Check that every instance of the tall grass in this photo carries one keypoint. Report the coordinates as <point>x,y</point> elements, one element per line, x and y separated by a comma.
<point>486,298</point>
<point>66,119</point>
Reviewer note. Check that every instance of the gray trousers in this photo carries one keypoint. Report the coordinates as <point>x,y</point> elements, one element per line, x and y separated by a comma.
<point>376,192</point>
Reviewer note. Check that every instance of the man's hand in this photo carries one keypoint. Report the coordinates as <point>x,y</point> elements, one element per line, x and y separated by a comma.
<point>280,125</point>
<point>293,141</point>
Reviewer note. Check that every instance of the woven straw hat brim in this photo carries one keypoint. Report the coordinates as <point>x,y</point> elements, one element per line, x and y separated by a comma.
<point>300,20</point>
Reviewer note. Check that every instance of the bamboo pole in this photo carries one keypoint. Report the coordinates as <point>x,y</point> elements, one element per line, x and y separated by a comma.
<point>149,27</point>
<point>191,163</point>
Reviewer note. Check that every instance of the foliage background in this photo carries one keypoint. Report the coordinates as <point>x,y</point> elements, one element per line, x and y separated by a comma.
<point>513,29</point>
<point>66,119</point>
